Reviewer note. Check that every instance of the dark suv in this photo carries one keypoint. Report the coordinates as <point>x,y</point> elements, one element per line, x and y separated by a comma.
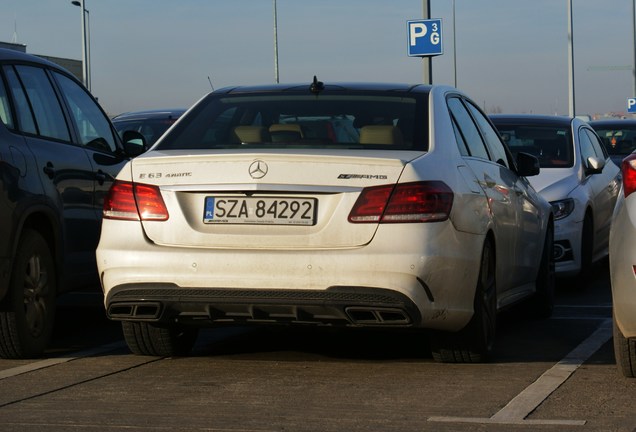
<point>59,153</point>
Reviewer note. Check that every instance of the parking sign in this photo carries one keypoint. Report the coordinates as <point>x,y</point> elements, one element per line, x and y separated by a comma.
<point>424,37</point>
<point>631,105</point>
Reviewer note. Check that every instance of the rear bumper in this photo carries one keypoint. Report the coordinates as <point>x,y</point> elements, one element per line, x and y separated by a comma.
<point>402,278</point>
<point>338,306</point>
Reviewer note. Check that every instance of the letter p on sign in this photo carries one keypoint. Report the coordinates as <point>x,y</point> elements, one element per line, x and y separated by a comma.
<point>418,30</point>
<point>631,105</point>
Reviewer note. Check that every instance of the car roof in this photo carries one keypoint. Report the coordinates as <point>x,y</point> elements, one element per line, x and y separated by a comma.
<point>10,55</point>
<point>531,119</point>
<point>618,123</point>
<point>329,87</point>
<point>153,113</point>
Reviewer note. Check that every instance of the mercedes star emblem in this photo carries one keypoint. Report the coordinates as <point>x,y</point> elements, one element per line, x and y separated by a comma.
<point>258,169</point>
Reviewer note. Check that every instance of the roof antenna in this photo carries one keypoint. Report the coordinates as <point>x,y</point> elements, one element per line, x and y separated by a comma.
<point>14,39</point>
<point>316,86</point>
<point>210,81</point>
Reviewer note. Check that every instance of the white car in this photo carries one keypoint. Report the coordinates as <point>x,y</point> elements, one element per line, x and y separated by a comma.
<point>622,261</point>
<point>577,177</point>
<point>252,209</point>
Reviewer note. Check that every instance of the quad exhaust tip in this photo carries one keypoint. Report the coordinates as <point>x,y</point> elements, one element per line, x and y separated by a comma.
<point>145,310</point>
<point>377,316</point>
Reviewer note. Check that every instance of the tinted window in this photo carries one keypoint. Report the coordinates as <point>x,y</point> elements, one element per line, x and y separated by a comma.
<point>93,126</point>
<point>552,145</point>
<point>302,121</point>
<point>468,129</point>
<point>491,136</point>
<point>599,149</point>
<point>618,139</point>
<point>587,148</point>
<point>25,116</point>
<point>5,109</point>
<point>461,144</point>
<point>151,129</point>
<point>49,117</point>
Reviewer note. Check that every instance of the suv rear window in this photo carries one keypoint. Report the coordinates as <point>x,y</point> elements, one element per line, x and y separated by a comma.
<point>325,121</point>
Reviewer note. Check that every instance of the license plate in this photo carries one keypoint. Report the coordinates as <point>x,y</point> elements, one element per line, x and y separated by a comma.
<point>261,210</point>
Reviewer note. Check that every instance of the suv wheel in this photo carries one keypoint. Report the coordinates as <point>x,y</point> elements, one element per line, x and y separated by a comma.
<point>28,313</point>
<point>147,339</point>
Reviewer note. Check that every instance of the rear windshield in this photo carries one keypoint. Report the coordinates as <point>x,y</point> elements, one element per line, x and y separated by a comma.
<point>552,145</point>
<point>325,121</point>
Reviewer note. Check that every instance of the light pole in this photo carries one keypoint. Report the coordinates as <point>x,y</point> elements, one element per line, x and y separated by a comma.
<point>634,47</point>
<point>571,105</point>
<point>426,61</point>
<point>455,48</point>
<point>86,59</point>
<point>275,43</point>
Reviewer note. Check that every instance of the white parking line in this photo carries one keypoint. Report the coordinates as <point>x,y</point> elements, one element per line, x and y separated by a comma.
<point>529,399</point>
<point>58,360</point>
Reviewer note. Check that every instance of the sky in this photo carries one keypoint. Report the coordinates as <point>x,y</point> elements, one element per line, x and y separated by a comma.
<point>509,56</point>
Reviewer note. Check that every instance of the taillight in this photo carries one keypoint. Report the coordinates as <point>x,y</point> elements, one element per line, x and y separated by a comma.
<point>628,171</point>
<point>429,201</point>
<point>134,201</point>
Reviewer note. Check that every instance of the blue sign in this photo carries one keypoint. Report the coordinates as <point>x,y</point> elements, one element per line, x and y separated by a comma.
<point>424,37</point>
<point>631,105</point>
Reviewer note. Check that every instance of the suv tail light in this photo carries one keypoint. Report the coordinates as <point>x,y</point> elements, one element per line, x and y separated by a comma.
<point>134,201</point>
<point>429,201</point>
<point>628,171</point>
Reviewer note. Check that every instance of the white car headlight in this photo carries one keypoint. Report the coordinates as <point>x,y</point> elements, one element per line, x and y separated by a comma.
<point>562,208</point>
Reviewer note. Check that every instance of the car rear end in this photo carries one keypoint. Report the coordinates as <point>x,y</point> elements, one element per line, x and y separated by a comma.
<point>623,253</point>
<point>622,260</point>
<point>224,222</point>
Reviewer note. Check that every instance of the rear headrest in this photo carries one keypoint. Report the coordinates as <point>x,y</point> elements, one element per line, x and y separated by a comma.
<point>380,134</point>
<point>251,134</point>
<point>285,132</point>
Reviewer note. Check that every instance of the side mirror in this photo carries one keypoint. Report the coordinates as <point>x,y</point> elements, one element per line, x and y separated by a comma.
<point>594,165</point>
<point>527,164</point>
<point>134,143</point>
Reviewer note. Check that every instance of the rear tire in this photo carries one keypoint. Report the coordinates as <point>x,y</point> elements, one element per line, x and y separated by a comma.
<point>474,343</point>
<point>151,340</point>
<point>27,315</point>
<point>625,353</point>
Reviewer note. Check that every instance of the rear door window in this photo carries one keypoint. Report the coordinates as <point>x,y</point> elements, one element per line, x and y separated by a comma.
<point>43,103</point>
<point>491,137</point>
<point>468,129</point>
<point>5,108</point>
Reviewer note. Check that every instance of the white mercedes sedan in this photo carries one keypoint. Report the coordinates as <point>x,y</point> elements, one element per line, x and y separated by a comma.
<point>361,205</point>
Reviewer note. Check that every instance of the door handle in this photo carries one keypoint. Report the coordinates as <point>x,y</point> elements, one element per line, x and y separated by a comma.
<point>49,170</point>
<point>101,177</point>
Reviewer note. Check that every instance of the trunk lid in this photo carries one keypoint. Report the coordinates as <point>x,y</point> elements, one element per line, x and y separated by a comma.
<point>264,200</point>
